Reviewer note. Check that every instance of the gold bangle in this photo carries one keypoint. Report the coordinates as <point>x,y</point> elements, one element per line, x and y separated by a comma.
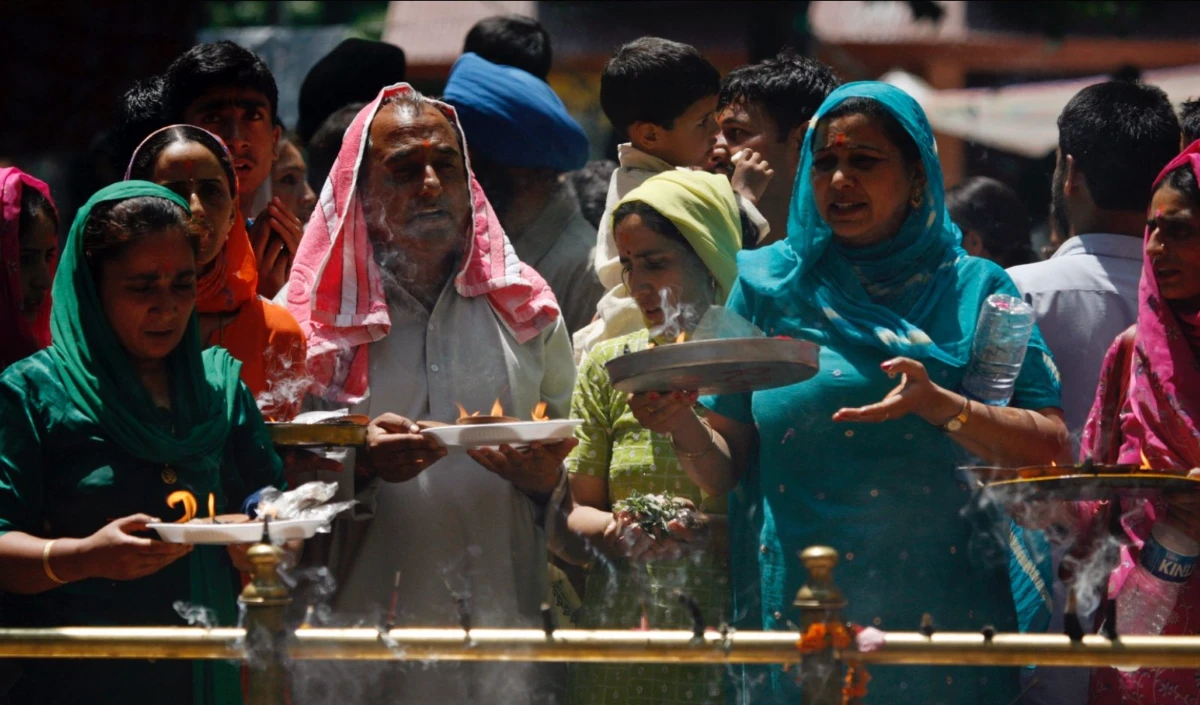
<point>712,443</point>
<point>46,563</point>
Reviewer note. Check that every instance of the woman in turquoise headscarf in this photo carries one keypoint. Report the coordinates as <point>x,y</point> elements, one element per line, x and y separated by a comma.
<point>119,412</point>
<point>862,456</point>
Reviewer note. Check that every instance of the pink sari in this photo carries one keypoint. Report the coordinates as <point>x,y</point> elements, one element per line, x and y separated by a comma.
<point>21,337</point>
<point>1146,407</point>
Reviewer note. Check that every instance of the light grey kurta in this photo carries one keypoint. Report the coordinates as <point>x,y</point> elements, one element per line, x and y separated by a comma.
<point>559,244</point>
<point>456,529</point>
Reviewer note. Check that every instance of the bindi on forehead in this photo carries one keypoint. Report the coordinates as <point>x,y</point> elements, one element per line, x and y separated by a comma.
<point>837,139</point>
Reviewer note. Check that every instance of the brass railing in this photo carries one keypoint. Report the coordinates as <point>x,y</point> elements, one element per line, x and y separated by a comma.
<point>267,645</point>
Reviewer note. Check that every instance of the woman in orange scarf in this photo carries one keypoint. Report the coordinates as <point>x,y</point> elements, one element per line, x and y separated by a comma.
<point>195,164</point>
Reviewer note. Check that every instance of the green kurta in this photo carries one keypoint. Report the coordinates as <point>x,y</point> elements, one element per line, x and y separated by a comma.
<point>613,446</point>
<point>60,476</point>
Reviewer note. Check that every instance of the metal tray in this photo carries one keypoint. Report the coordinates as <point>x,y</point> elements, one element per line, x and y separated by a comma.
<point>1092,487</point>
<point>317,434</point>
<point>988,474</point>
<point>716,366</point>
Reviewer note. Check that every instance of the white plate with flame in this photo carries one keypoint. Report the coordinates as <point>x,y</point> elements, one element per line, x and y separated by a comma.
<point>492,435</point>
<point>242,532</point>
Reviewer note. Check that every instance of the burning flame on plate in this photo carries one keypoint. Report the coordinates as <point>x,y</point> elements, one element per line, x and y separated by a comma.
<point>538,413</point>
<point>497,410</point>
<point>188,500</point>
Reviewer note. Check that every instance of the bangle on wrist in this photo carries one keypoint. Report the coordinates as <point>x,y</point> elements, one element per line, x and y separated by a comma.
<point>712,443</point>
<point>46,563</point>
<point>956,422</point>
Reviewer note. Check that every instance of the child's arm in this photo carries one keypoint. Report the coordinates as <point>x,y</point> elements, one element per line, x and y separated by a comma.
<point>751,174</point>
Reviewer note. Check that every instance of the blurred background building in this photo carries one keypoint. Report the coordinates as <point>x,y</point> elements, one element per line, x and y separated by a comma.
<point>992,75</point>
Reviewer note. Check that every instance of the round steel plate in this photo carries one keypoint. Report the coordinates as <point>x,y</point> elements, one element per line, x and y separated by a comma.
<point>716,366</point>
<point>1080,488</point>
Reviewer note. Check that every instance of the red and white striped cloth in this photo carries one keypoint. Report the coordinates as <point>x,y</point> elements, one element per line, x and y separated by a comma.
<point>335,290</point>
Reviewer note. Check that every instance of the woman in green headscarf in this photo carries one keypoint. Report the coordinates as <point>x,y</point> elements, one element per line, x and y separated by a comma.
<point>119,412</point>
<point>678,235</point>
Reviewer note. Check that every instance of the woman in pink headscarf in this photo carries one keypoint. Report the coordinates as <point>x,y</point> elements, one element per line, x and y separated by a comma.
<point>1147,409</point>
<point>28,253</point>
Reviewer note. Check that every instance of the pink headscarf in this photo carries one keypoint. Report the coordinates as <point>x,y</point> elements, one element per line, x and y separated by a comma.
<point>335,291</point>
<point>1164,392</point>
<point>20,338</point>
<point>1147,405</point>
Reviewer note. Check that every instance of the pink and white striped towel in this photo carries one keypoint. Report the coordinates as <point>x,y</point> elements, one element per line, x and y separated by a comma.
<point>335,290</point>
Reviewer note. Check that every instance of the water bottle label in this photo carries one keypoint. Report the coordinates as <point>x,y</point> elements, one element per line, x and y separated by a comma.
<point>1165,564</point>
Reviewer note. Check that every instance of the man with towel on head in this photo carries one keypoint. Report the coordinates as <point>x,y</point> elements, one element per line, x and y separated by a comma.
<point>523,141</point>
<point>413,300</point>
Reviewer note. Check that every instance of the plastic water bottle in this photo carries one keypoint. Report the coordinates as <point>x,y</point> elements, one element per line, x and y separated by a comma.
<point>1148,596</point>
<point>1001,336</point>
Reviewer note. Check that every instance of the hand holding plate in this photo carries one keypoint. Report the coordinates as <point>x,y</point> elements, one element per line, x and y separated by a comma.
<point>397,451</point>
<point>662,412</point>
<point>534,470</point>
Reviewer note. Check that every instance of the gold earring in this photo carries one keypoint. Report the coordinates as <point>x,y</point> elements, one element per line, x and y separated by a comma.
<point>917,199</point>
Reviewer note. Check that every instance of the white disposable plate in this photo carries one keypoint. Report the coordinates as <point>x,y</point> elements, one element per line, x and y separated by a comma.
<point>496,434</point>
<point>247,532</point>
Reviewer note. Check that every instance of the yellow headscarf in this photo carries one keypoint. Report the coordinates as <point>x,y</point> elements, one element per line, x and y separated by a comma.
<point>703,207</point>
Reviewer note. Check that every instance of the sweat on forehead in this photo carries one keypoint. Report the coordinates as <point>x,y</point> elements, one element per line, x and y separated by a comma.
<point>428,127</point>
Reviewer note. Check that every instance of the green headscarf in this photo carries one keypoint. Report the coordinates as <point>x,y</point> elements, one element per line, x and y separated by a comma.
<point>97,373</point>
<point>704,209</point>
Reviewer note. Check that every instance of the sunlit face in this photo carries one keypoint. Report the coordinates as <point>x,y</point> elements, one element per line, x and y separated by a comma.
<point>148,293</point>
<point>289,182</point>
<point>1174,246</point>
<point>692,137</point>
<point>39,250</point>
<point>242,118</point>
<point>861,183</point>
<point>744,125</point>
<point>416,185</point>
<point>193,172</point>
<point>660,272</point>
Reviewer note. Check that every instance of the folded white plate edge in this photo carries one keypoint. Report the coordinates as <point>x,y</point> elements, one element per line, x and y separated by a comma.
<point>247,532</point>
<point>556,430</point>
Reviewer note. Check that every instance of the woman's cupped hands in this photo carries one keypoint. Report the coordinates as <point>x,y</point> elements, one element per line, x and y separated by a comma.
<point>626,536</point>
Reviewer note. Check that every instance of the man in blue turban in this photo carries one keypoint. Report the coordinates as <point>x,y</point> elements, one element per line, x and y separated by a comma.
<point>522,141</point>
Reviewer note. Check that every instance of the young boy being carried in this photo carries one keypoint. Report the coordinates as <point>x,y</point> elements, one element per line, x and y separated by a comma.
<point>662,96</point>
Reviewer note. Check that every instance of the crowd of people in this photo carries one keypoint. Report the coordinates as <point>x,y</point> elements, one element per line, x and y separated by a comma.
<point>405,257</point>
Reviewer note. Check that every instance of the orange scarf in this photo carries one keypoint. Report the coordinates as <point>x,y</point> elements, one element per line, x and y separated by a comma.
<point>233,280</point>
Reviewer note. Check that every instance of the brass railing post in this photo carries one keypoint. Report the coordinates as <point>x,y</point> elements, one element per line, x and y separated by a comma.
<point>266,599</point>
<point>820,602</point>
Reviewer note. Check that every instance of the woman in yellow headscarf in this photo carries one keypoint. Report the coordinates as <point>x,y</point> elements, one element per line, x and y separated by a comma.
<point>678,235</point>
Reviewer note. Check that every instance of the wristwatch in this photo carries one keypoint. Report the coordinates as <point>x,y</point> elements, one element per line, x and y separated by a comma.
<point>957,421</point>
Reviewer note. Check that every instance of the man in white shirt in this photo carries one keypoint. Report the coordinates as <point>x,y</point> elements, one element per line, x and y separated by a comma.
<point>413,301</point>
<point>1114,138</point>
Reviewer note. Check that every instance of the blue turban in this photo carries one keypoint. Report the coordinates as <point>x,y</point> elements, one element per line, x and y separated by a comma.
<point>513,118</point>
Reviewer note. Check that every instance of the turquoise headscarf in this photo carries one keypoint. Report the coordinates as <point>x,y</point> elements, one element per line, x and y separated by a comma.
<point>98,375</point>
<point>887,296</point>
<point>907,278</point>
